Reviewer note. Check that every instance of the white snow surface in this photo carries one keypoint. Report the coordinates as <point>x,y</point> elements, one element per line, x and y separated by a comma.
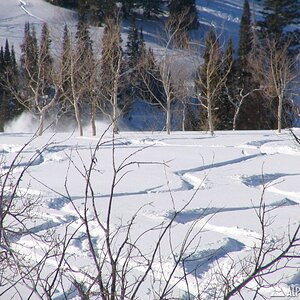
<point>227,172</point>
<point>224,175</point>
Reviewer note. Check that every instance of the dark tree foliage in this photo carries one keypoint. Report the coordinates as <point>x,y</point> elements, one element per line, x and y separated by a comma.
<point>9,107</point>
<point>225,111</point>
<point>246,39</point>
<point>184,11</point>
<point>135,45</point>
<point>65,69</point>
<point>278,15</point>
<point>84,58</point>
<point>127,7</point>
<point>135,50</point>
<point>45,61</point>
<point>151,7</point>
<point>99,11</point>
<point>65,3</point>
<point>151,88</point>
<point>29,61</point>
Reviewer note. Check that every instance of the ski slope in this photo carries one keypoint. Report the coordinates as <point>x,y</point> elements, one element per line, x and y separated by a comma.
<point>221,178</point>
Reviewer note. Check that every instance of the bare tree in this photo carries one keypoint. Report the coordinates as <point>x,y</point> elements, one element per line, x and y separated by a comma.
<point>26,276</point>
<point>183,88</point>
<point>111,71</point>
<point>237,101</point>
<point>210,78</point>
<point>276,70</point>
<point>41,91</point>
<point>168,58</point>
<point>269,255</point>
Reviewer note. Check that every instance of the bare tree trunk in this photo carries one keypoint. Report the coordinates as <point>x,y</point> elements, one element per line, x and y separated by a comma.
<point>93,117</point>
<point>235,117</point>
<point>210,119</point>
<point>42,121</point>
<point>115,104</point>
<point>168,117</point>
<point>279,112</point>
<point>78,117</point>
<point>183,117</point>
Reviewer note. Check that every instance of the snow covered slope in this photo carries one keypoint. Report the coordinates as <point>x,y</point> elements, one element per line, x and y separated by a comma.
<point>224,15</point>
<point>227,172</point>
<point>14,14</point>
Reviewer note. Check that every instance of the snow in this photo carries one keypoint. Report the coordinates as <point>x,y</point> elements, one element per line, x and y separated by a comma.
<point>216,181</point>
<point>224,181</point>
<point>14,14</point>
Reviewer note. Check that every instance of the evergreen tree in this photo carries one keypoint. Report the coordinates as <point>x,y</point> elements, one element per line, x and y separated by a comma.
<point>9,107</point>
<point>65,70</point>
<point>278,14</point>
<point>184,13</point>
<point>225,111</point>
<point>100,11</point>
<point>45,61</point>
<point>15,107</point>
<point>3,104</point>
<point>252,113</point>
<point>127,7</point>
<point>135,50</point>
<point>151,7</point>
<point>246,39</point>
<point>29,60</point>
<point>133,45</point>
<point>7,56</point>
<point>84,58</point>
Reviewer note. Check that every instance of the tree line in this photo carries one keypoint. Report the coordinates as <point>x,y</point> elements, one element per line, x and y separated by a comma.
<point>249,89</point>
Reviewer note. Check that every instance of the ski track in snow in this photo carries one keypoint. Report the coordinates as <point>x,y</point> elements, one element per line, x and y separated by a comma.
<point>236,239</point>
<point>23,5</point>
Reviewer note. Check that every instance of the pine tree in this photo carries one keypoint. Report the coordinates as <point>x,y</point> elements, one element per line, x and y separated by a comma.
<point>133,45</point>
<point>84,46</point>
<point>278,14</point>
<point>2,93</point>
<point>127,7</point>
<point>151,7</point>
<point>9,107</point>
<point>246,39</point>
<point>45,61</point>
<point>151,88</point>
<point>7,56</point>
<point>15,107</point>
<point>65,71</point>
<point>84,59</point>
<point>225,111</point>
<point>29,60</point>
<point>183,12</point>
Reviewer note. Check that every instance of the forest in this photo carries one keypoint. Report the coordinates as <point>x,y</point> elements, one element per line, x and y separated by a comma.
<point>221,88</point>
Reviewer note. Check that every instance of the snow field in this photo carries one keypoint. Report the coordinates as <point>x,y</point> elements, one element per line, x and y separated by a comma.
<point>226,172</point>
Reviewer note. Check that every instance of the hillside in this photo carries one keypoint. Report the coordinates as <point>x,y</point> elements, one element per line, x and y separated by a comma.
<point>224,15</point>
<point>222,190</point>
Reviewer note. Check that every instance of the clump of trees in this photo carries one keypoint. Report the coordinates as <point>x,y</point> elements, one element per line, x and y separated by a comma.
<point>250,87</point>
